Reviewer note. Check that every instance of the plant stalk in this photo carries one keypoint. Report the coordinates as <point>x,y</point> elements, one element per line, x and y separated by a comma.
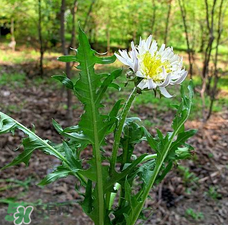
<point>123,116</point>
<point>138,209</point>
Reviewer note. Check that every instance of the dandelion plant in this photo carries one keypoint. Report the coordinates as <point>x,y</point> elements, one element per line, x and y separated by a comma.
<point>111,194</point>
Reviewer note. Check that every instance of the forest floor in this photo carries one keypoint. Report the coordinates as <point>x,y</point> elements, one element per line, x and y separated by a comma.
<point>195,192</point>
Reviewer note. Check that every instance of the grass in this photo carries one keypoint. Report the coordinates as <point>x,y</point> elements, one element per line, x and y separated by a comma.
<point>25,56</point>
<point>14,79</point>
<point>188,177</point>
<point>193,214</point>
<point>14,183</point>
<point>213,193</point>
<point>15,57</point>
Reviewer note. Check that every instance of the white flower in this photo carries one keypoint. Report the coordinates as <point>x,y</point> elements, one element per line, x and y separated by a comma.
<point>157,68</point>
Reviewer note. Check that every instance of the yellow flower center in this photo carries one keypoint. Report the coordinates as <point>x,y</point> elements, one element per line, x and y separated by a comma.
<point>152,66</point>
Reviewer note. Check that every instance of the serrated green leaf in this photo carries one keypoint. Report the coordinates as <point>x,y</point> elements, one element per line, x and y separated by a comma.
<point>74,163</point>
<point>92,122</point>
<point>70,132</point>
<point>65,81</point>
<point>60,172</point>
<point>105,60</point>
<point>57,126</point>
<point>91,172</point>
<point>117,177</point>
<point>87,203</point>
<point>181,139</point>
<point>31,143</point>
<point>164,172</point>
<point>114,111</point>
<point>67,58</point>
<point>115,86</point>
<point>151,141</point>
<point>106,83</point>
<point>71,129</point>
<point>183,153</point>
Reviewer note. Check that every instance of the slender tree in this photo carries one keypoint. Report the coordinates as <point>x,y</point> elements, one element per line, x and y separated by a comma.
<point>189,49</point>
<point>215,71</point>
<point>210,26</point>
<point>88,14</point>
<point>169,2</point>
<point>207,54</point>
<point>41,46</point>
<point>65,52</point>
<point>73,13</point>
<point>153,19</point>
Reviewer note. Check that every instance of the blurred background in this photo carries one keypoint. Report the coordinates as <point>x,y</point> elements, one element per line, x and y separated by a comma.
<point>33,33</point>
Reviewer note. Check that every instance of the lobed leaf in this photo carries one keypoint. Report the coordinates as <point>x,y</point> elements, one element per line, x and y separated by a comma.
<point>31,143</point>
<point>65,81</point>
<point>67,58</point>
<point>60,172</point>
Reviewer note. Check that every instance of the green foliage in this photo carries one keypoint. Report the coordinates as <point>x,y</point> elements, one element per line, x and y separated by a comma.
<point>65,81</point>
<point>137,18</point>
<point>194,215</point>
<point>188,177</point>
<point>15,79</point>
<point>14,183</point>
<point>31,143</point>
<point>166,148</point>
<point>213,193</point>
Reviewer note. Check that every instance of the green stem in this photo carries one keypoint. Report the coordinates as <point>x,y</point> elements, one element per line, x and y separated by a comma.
<point>100,188</point>
<point>120,128</point>
<point>149,157</point>
<point>137,210</point>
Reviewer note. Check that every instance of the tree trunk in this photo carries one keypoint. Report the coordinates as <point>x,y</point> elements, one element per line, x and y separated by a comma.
<point>208,52</point>
<point>153,16</point>
<point>108,39</point>
<point>88,14</point>
<point>13,42</point>
<point>215,75</point>
<point>73,12</point>
<point>167,21</point>
<point>68,68</point>
<point>62,27</point>
<point>40,38</point>
<point>189,50</point>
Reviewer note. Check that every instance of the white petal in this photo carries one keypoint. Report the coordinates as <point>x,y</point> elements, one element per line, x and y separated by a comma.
<point>124,54</point>
<point>161,49</point>
<point>148,42</point>
<point>140,41</point>
<point>139,74</point>
<point>165,92</point>
<point>153,48</point>
<point>181,79</point>
<point>175,75</point>
<point>166,81</point>
<point>142,84</point>
<point>124,61</point>
<point>135,65</point>
<point>151,84</point>
<point>130,54</point>
<point>132,45</point>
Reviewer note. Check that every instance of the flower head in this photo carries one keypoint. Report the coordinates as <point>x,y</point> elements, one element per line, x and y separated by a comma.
<point>158,68</point>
